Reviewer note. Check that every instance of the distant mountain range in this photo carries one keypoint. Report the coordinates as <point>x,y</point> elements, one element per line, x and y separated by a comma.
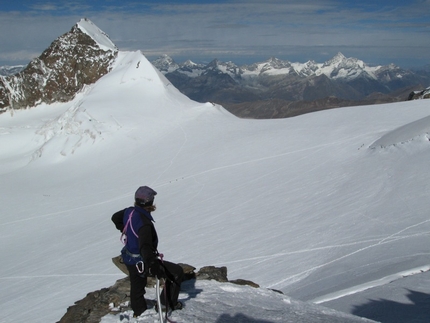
<point>271,89</point>
<point>277,88</point>
<point>10,70</point>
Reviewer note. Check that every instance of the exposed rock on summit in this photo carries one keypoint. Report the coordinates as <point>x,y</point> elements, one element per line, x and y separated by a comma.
<point>95,305</point>
<point>75,59</point>
<point>422,94</point>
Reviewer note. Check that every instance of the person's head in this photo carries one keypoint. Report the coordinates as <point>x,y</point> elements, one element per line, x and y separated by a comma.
<point>144,197</point>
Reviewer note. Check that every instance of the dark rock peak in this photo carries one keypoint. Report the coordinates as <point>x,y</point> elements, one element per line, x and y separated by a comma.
<point>339,57</point>
<point>75,59</point>
<point>165,63</point>
<point>213,64</point>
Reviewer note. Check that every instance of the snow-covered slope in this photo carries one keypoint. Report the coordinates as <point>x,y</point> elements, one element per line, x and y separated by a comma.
<point>311,205</point>
<point>103,41</point>
<point>210,301</point>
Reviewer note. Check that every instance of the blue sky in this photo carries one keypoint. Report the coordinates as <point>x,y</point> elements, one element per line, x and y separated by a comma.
<point>377,32</point>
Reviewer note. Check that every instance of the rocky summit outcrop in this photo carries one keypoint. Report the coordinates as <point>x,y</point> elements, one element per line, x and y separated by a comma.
<point>75,59</point>
<point>99,303</point>
<point>421,94</point>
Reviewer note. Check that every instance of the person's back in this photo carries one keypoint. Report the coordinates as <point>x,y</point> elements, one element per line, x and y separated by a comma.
<point>140,253</point>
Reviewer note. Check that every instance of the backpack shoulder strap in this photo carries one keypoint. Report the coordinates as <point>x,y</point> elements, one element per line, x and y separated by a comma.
<point>123,237</point>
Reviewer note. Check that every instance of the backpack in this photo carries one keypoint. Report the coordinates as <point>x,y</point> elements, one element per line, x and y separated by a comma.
<point>130,252</point>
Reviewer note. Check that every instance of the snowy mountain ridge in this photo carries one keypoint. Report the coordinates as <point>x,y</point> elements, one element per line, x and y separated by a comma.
<point>10,70</point>
<point>100,37</point>
<point>274,88</point>
<point>339,67</point>
<point>278,89</point>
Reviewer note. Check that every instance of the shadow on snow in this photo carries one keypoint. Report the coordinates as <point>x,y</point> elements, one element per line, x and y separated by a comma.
<point>227,318</point>
<point>387,311</point>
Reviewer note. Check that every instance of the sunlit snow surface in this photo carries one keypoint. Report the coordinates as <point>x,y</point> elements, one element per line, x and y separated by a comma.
<point>320,206</point>
<point>227,303</point>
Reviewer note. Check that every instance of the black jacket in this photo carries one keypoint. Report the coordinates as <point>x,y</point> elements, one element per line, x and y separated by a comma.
<point>148,238</point>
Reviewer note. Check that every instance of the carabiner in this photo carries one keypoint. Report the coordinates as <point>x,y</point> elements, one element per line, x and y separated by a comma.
<point>140,266</point>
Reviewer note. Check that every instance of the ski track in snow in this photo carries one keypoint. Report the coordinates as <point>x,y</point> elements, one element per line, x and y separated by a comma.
<point>245,184</point>
<point>315,148</point>
<point>56,275</point>
<point>403,230</point>
<point>176,155</point>
<point>65,211</point>
<point>337,246</point>
<point>362,287</point>
<point>386,240</point>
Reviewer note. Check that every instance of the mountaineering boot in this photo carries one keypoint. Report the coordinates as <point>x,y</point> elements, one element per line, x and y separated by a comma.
<point>178,306</point>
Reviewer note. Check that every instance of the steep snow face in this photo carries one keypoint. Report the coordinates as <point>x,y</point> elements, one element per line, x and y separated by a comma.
<point>417,130</point>
<point>99,36</point>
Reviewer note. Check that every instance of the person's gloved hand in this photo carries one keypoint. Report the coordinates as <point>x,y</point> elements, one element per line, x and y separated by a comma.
<point>156,269</point>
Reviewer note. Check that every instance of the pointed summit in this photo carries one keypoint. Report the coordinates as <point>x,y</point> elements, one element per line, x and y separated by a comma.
<point>336,60</point>
<point>191,68</point>
<point>340,67</point>
<point>99,36</point>
<point>190,64</point>
<point>213,64</point>
<point>339,56</point>
<point>276,63</point>
<point>165,64</point>
<point>75,59</point>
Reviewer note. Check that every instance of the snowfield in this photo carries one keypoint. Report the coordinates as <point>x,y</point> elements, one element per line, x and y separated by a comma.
<point>329,207</point>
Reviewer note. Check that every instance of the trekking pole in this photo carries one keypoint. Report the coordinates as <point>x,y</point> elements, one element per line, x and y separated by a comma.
<point>157,290</point>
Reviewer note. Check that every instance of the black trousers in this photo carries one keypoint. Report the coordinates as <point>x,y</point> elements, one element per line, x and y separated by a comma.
<point>175,276</point>
<point>137,290</point>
